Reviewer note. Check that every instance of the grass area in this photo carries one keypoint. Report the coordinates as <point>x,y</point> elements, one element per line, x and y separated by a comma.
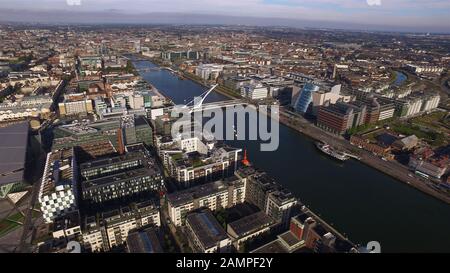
<point>197,163</point>
<point>18,217</point>
<point>177,156</point>
<point>35,214</point>
<point>369,127</point>
<point>130,69</point>
<point>433,138</point>
<point>435,120</point>
<point>7,226</point>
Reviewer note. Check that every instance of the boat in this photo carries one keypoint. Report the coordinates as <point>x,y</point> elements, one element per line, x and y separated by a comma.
<point>327,149</point>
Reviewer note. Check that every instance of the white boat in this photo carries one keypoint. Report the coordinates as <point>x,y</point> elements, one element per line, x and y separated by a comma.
<point>327,149</point>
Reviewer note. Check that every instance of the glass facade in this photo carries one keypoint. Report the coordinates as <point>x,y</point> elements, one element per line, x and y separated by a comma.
<point>304,98</point>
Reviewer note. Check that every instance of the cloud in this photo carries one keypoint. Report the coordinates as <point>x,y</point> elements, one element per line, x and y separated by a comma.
<point>374,2</point>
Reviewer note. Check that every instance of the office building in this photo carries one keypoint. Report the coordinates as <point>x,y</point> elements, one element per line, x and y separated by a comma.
<point>280,205</point>
<point>59,187</point>
<point>209,71</point>
<point>340,117</point>
<point>254,92</point>
<point>304,98</point>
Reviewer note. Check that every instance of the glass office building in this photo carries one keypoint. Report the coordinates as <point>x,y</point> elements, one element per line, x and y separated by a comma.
<point>304,98</point>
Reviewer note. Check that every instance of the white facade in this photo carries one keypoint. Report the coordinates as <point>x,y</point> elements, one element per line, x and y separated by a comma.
<point>431,103</point>
<point>115,232</point>
<point>57,194</point>
<point>76,107</point>
<point>419,69</point>
<point>209,71</point>
<point>414,107</point>
<point>254,92</point>
<point>224,197</point>
<point>387,114</point>
<point>136,101</point>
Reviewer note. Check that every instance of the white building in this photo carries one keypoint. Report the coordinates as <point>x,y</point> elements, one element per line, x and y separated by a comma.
<point>279,206</point>
<point>430,103</point>
<point>421,69</point>
<point>58,191</point>
<point>209,71</point>
<point>414,106</point>
<point>112,228</point>
<point>254,92</point>
<point>214,196</point>
<point>136,101</point>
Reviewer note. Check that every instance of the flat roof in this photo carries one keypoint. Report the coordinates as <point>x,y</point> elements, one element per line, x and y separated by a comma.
<point>133,156</point>
<point>251,223</point>
<point>289,239</point>
<point>13,149</point>
<point>146,241</point>
<point>143,171</point>
<point>185,196</point>
<point>272,247</point>
<point>206,228</point>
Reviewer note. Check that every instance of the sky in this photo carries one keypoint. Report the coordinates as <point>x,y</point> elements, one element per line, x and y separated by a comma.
<point>431,15</point>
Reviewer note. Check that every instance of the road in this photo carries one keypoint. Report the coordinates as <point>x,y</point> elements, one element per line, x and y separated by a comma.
<point>392,168</point>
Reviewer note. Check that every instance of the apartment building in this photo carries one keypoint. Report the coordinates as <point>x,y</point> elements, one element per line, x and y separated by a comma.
<point>215,195</point>
<point>111,228</point>
<point>206,235</point>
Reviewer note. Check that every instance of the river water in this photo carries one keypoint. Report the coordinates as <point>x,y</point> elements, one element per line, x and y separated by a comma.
<point>360,202</point>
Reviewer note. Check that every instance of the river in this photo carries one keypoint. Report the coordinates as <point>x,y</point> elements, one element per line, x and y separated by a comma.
<point>360,202</point>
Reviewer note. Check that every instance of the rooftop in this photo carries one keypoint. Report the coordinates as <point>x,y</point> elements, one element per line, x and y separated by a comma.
<point>13,148</point>
<point>182,197</point>
<point>250,224</point>
<point>146,241</point>
<point>273,247</point>
<point>206,228</point>
<point>112,179</point>
<point>58,171</point>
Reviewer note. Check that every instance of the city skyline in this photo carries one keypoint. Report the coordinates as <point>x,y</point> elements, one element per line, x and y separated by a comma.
<point>397,15</point>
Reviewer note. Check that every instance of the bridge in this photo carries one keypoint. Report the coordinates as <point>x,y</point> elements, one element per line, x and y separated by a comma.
<point>212,105</point>
<point>198,105</point>
<point>149,69</point>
